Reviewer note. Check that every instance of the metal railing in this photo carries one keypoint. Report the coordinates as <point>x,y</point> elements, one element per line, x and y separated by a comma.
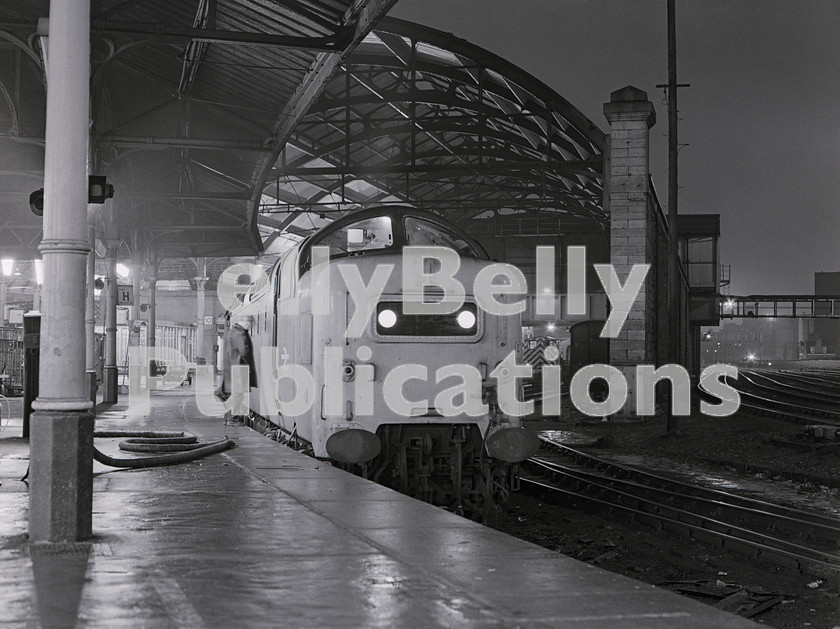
<point>781,306</point>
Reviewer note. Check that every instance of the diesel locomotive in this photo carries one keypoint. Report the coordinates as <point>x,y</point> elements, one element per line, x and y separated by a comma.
<point>376,371</point>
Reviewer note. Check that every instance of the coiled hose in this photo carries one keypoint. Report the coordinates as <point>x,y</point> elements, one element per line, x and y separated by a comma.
<point>183,446</point>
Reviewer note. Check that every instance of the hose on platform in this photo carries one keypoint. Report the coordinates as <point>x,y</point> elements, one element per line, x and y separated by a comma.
<point>182,446</point>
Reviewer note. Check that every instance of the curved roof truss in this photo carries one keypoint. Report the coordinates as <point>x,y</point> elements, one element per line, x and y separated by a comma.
<point>228,126</point>
<point>191,102</point>
<point>419,117</point>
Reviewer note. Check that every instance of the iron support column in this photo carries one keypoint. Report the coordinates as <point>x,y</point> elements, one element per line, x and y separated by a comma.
<point>802,339</point>
<point>90,311</point>
<point>134,331</point>
<point>199,331</point>
<point>152,339</point>
<point>36,298</point>
<point>61,456</point>
<point>2,298</point>
<point>200,284</point>
<point>110,370</point>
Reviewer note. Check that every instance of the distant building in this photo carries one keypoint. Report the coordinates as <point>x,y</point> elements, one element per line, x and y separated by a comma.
<point>751,341</point>
<point>826,332</point>
<point>781,338</point>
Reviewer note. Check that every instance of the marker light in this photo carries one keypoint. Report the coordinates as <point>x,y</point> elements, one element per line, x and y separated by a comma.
<point>466,319</point>
<point>387,318</point>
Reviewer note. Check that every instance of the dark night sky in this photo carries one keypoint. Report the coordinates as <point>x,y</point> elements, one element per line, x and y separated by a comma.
<point>761,118</point>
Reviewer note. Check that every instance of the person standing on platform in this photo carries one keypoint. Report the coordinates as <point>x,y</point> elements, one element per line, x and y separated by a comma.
<point>238,351</point>
<point>563,347</point>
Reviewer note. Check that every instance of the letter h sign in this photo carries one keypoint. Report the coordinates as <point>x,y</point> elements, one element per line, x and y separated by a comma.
<point>125,295</point>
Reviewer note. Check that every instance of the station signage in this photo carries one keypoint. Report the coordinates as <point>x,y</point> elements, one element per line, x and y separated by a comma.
<point>125,295</point>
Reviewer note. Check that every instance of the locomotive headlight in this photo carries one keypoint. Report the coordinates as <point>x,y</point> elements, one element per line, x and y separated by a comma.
<point>387,318</point>
<point>466,319</point>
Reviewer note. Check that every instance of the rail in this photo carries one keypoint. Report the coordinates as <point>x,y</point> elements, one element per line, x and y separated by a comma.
<point>746,525</point>
<point>762,395</point>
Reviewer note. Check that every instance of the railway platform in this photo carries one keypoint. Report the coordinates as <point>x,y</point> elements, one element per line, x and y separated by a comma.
<point>263,536</point>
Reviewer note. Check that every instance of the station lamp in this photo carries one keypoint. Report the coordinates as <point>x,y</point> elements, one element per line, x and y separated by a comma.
<point>36,202</point>
<point>99,190</point>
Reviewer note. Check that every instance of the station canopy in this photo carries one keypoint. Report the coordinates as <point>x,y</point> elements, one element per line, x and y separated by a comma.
<point>233,128</point>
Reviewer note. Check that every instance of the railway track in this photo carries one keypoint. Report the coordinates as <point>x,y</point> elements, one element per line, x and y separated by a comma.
<point>828,381</point>
<point>814,392</point>
<point>785,396</point>
<point>807,542</point>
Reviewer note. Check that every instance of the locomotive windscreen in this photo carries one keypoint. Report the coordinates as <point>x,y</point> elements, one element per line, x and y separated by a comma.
<point>381,233</point>
<point>425,233</point>
<point>365,235</point>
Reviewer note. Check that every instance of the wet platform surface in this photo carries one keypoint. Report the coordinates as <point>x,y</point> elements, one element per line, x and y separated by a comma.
<point>262,536</point>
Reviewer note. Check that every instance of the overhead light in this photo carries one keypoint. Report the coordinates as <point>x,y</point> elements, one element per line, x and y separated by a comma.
<point>123,270</point>
<point>39,272</point>
<point>7,264</point>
